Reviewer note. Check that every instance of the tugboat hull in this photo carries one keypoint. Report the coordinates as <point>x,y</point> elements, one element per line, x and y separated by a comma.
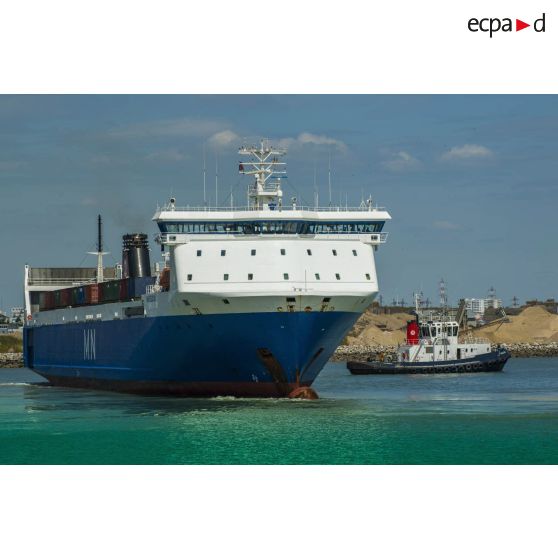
<point>488,362</point>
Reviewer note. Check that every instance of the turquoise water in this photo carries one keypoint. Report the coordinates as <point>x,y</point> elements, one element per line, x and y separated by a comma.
<point>509,417</point>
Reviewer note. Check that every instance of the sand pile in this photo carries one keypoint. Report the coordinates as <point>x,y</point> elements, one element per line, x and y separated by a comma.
<point>10,343</point>
<point>379,329</point>
<point>533,325</point>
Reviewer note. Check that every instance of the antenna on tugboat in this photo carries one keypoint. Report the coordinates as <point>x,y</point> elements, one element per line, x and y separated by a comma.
<point>443,294</point>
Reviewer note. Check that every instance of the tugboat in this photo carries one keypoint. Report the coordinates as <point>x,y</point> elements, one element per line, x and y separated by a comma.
<point>433,347</point>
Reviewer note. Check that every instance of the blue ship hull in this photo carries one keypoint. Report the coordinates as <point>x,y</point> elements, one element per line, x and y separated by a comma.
<point>262,354</point>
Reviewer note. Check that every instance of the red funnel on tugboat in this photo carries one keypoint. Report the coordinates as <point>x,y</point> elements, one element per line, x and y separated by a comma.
<point>412,333</point>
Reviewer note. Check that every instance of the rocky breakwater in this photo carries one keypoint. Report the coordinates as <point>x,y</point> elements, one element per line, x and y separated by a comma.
<point>532,349</point>
<point>388,352</point>
<point>11,360</point>
<point>363,352</point>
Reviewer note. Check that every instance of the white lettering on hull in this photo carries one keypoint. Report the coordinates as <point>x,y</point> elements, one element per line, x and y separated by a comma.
<point>89,349</point>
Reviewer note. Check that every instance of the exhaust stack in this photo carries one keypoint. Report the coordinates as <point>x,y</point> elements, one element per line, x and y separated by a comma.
<point>135,256</point>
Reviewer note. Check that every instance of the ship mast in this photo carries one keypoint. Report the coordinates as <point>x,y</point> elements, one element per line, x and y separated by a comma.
<point>264,165</point>
<point>99,253</point>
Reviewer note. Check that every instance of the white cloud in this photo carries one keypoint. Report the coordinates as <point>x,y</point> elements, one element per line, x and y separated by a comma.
<point>402,161</point>
<point>446,225</point>
<point>224,138</point>
<point>102,160</point>
<point>185,127</point>
<point>306,138</point>
<point>88,202</point>
<point>166,155</point>
<point>467,151</point>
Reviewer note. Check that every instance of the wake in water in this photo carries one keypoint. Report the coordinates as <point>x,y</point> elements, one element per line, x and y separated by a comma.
<point>15,384</point>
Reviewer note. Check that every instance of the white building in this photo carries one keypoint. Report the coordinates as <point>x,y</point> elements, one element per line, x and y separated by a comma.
<point>476,307</point>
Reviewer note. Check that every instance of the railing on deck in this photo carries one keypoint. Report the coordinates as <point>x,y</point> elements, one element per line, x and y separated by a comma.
<point>476,340</point>
<point>153,289</point>
<point>338,209</point>
<point>45,282</point>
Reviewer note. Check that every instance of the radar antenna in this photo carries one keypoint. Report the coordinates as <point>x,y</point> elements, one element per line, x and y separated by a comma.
<point>265,166</point>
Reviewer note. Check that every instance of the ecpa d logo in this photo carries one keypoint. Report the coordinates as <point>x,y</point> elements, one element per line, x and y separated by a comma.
<point>493,25</point>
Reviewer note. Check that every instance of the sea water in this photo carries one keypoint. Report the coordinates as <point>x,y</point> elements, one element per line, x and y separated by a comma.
<point>502,417</point>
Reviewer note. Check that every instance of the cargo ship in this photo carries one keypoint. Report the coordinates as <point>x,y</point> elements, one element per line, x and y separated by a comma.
<point>249,301</point>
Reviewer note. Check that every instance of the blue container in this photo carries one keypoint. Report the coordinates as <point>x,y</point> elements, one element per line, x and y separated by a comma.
<point>138,285</point>
<point>81,296</point>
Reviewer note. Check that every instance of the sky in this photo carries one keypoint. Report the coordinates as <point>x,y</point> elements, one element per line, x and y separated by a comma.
<point>471,181</point>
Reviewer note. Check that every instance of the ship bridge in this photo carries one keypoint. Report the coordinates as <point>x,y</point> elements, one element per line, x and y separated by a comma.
<point>266,213</point>
<point>179,225</point>
<point>262,256</point>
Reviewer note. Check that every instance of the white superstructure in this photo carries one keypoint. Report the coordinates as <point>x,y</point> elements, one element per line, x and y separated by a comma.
<point>435,338</point>
<point>269,256</point>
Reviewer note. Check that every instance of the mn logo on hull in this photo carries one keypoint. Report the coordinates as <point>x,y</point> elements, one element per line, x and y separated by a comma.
<point>89,344</point>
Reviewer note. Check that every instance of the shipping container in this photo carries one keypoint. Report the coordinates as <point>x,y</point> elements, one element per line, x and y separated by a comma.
<point>87,292</point>
<point>137,286</point>
<point>65,297</point>
<point>80,296</point>
<point>49,300</point>
<point>42,300</point>
<point>94,293</point>
<point>56,295</point>
<point>123,289</point>
<point>109,291</point>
